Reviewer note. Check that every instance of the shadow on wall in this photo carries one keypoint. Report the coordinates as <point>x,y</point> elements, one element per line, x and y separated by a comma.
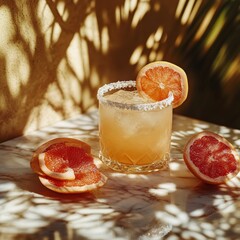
<point>64,58</point>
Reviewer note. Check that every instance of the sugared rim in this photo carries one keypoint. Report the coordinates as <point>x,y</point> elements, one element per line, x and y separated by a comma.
<point>140,107</point>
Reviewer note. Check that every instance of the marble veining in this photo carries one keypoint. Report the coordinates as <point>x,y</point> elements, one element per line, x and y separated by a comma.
<point>166,205</point>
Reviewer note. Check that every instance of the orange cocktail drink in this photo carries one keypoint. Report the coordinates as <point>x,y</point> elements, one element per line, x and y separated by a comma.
<point>134,132</point>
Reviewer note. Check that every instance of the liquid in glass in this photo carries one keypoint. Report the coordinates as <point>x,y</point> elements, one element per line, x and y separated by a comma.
<point>135,133</point>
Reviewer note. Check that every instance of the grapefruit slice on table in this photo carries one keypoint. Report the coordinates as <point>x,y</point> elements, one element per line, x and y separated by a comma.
<point>211,158</point>
<point>157,79</point>
<point>42,163</point>
<point>65,165</point>
<point>83,183</point>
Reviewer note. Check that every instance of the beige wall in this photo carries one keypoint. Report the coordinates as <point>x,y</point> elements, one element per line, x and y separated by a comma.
<point>44,72</point>
<point>55,54</point>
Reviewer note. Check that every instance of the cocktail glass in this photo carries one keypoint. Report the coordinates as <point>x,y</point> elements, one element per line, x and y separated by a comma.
<point>134,135</point>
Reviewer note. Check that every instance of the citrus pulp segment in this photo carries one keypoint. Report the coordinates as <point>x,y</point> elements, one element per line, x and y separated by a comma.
<point>211,158</point>
<point>157,79</point>
<point>62,161</point>
<point>56,142</point>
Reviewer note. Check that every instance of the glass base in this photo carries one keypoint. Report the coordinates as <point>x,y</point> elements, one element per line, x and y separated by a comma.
<point>126,168</point>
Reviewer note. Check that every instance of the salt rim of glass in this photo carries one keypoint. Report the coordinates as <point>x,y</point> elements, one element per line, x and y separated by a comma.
<point>140,107</point>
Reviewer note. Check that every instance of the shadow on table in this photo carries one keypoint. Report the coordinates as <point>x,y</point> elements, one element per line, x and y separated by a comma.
<point>28,181</point>
<point>133,206</point>
<point>141,207</point>
<point>148,206</point>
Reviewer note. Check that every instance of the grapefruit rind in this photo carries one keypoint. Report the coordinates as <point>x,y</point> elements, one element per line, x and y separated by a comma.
<point>67,175</point>
<point>195,171</point>
<point>75,189</point>
<point>184,80</point>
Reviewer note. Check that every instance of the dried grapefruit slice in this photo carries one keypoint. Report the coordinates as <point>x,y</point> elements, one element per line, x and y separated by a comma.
<point>157,79</point>
<point>211,158</point>
<point>51,144</point>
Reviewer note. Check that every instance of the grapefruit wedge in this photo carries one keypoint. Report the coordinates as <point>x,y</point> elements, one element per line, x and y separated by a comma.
<point>65,165</point>
<point>155,81</point>
<point>211,158</point>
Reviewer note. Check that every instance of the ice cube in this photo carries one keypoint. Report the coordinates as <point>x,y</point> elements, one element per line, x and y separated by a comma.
<point>128,97</point>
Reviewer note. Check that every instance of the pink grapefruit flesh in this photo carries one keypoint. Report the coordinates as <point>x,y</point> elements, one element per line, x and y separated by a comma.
<point>157,79</point>
<point>65,165</point>
<point>211,158</point>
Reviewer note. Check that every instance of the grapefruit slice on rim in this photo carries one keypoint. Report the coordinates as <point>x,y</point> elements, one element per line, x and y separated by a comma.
<point>211,158</point>
<point>157,79</point>
<point>65,165</point>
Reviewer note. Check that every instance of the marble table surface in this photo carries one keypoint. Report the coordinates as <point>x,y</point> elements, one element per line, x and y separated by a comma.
<point>166,205</point>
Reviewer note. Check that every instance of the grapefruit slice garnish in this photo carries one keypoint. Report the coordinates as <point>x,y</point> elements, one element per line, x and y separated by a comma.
<point>157,79</point>
<point>211,158</point>
<point>66,165</point>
